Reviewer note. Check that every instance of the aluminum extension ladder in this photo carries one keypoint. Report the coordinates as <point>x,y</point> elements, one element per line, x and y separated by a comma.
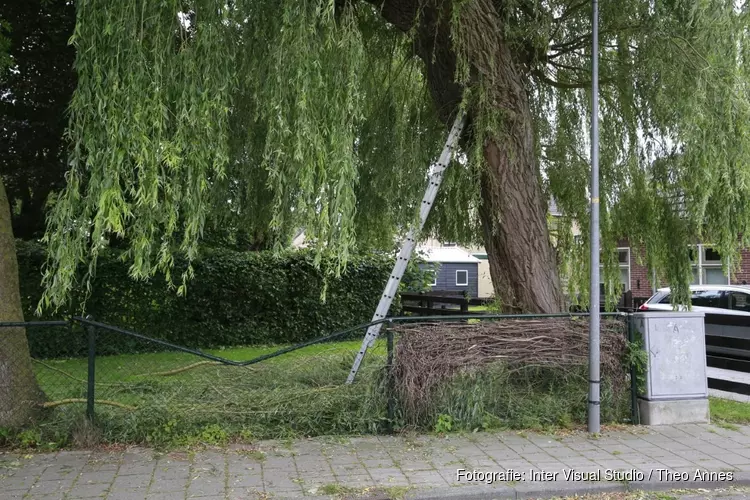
<point>407,248</point>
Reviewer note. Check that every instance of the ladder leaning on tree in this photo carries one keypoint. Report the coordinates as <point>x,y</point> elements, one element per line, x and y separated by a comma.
<point>407,248</point>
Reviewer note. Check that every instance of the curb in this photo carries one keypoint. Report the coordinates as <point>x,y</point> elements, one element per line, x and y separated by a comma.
<point>557,489</point>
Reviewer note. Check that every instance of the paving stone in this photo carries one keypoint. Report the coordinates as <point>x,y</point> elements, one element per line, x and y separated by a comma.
<point>417,466</point>
<point>127,494</point>
<point>88,490</point>
<point>96,477</point>
<point>50,487</point>
<point>244,493</point>
<point>21,482</point>
<point>386,473</point>
<point>431,478</point>
<point>132,469</point>
<point>202,488</point>
<point>378,463</point>
<point>166,496</point>
<point>357,481</point>
<point>424,463</point>
<point>346,469</point>
<point>168,485</point>
<point>130,482</point>
<point>60,472</point>
<point>92,467</point>
<point>280,483</point>
<point>13,495</point>
<point>249,481</point>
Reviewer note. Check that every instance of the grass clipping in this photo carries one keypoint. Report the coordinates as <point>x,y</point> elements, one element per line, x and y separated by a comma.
<point>431,354</point>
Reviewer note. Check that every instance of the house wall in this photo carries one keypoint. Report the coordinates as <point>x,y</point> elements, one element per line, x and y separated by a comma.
<point>743,276</point>
<point>640,278</point>
<point>446,278</point>
<point>484,280</point>
<point>484,285</point>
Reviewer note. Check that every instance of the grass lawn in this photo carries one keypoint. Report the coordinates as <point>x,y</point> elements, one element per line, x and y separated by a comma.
<point>175,398</point>
<point>163,396</point>
<point>484,309</point>
<point>724,411</point>
<point>130,367</point>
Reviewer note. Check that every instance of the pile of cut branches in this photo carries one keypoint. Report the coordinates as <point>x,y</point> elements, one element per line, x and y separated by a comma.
<point>430,353</point>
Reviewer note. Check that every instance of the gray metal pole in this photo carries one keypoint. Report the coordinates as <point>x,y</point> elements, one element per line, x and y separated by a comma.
<point>594,378</point>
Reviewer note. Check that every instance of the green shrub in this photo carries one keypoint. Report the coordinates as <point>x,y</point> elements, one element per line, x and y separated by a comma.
<point>539,398</point>
<point>236,298</point>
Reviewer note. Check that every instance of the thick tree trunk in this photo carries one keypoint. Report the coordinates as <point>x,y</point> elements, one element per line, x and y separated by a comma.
<point>523,264</point>
<point>522,260</point>
<point>19,393</point>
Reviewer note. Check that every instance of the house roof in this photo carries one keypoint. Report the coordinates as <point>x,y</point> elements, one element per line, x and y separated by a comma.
<point>447,254</point>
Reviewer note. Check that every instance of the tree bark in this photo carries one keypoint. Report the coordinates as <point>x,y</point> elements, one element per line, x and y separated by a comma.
<point>19,392</point>
<point>522,260</point>
<point>523,265</point>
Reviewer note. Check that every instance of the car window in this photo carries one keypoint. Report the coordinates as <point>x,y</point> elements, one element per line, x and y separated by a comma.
<point>710,298</point>
<point>665,299</point>
<point>740,301</point>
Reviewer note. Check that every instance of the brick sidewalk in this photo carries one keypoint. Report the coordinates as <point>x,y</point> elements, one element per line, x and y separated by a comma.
<point>388,467</point>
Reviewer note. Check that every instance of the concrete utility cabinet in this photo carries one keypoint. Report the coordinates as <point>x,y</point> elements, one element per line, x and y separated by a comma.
<point>676,384</point>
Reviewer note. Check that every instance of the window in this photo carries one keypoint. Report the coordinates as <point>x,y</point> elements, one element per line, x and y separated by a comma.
<point>462,278</point>
<point>434,274</point>
<point>739,301</point>
<point>703,298</point>
<point>449,244</point>
<point>623,259</point>
<point>710,298</point>
<point>666,299</point>
<point>707,266</point>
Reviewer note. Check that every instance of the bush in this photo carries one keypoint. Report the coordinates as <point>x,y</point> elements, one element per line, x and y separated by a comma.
<point>236,298</point>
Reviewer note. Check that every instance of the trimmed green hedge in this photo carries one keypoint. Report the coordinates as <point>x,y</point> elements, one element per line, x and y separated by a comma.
<point>236,298</point>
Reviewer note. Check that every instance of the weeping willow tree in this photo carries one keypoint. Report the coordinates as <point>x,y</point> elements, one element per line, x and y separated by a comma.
<point>326,114</point>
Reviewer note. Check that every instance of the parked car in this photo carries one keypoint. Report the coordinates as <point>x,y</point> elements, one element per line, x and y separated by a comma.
<point>727,310</point>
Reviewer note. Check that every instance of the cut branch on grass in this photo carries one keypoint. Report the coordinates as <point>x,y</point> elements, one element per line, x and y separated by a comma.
<point>52,404</point>
<point>177,371</point>
<point>429,354</point>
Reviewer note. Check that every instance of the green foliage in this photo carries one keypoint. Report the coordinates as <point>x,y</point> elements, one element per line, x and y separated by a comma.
<point>494,397</point>
<point>255,115</point>
<point>267,115</point>
<point>637,357</point>
<point>238,298</point>
<point>300,394</point>
<point>674,115</point>
<point>29,438</point>
<point>5,59</point>
<point>444,424</point>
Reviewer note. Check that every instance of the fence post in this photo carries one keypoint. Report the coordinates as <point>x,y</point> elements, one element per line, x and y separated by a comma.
<point>634,417</point>
<point>391,410</point>
<point>91,372</point>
